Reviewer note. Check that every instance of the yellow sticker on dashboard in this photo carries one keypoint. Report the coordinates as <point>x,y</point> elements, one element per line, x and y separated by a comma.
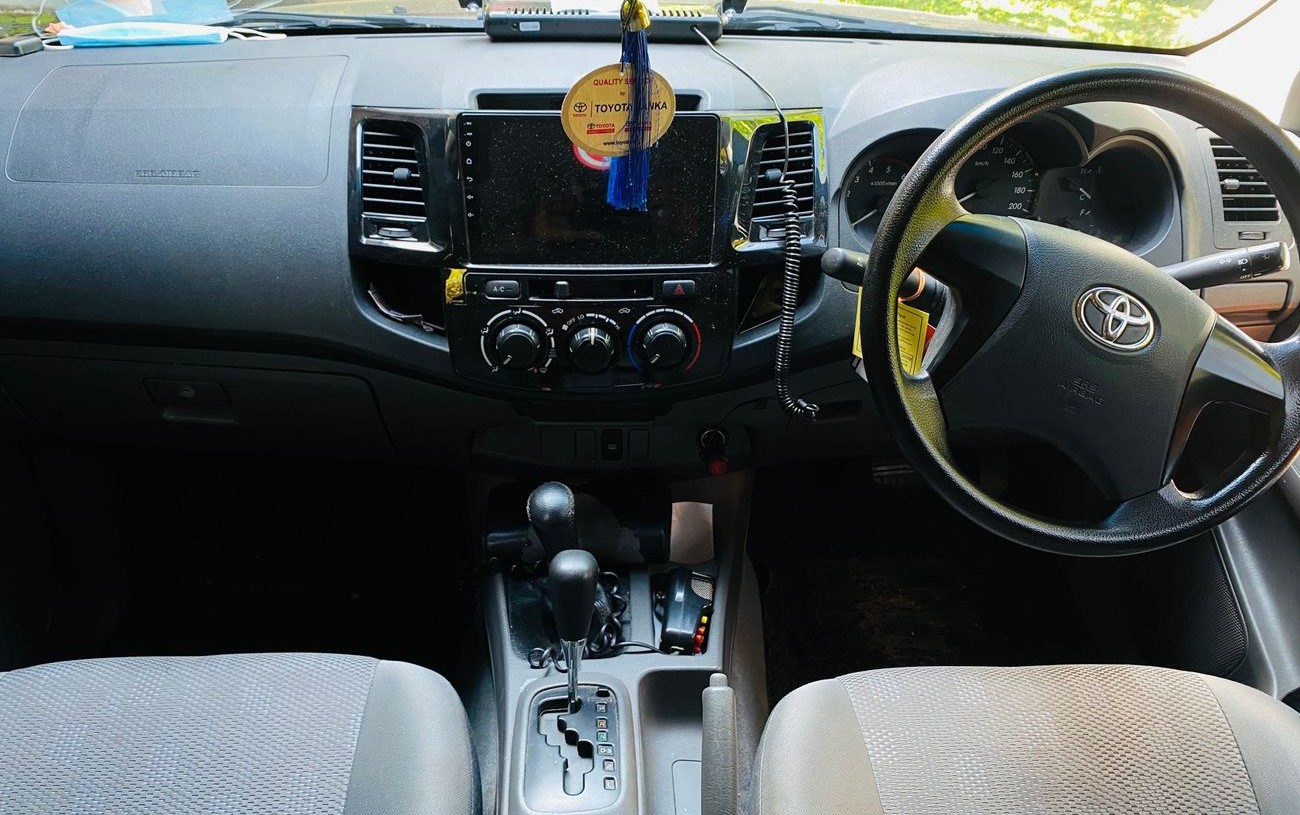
<point>913,325</point>
<point>454,288</point>
<point>596,110</point>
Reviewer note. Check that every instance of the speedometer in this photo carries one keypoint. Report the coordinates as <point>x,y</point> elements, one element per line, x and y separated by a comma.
<point>999,179</point>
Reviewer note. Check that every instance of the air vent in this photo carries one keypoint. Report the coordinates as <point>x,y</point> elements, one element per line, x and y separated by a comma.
<point>767,211</point>
<point>1246,195</point>
<point>392,167</point>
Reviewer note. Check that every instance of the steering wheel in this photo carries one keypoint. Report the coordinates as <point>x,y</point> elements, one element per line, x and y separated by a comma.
<point>1072,340</point>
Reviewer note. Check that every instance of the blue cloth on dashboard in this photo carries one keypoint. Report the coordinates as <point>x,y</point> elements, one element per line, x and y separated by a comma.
<point>115,34</point>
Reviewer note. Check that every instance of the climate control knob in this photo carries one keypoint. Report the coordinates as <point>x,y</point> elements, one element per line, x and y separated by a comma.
<point>518,346</point>
<point>591,349</point>
<point>664,345</point>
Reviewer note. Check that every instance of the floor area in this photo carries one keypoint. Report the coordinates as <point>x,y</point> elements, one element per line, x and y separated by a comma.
<point>167,553</point>
<point>170,553</point>
<point>856,578</point>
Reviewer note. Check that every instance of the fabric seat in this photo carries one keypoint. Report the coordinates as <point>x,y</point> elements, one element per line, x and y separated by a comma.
<point>1105,739</point>
<point>246,734</point>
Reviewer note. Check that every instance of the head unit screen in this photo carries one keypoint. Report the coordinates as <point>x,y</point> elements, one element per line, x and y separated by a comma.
<point>532,198</point>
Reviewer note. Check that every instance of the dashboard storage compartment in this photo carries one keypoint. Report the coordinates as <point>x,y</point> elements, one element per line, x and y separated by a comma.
<point>201,407</point>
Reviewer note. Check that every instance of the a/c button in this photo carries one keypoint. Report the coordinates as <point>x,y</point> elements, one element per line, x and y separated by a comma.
<point>502,289</point>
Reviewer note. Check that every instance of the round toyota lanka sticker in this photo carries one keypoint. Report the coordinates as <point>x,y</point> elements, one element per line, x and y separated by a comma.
<point>597,108</point>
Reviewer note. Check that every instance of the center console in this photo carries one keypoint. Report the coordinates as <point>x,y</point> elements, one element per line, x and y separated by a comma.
<point>546,287</point>
<point>600,706</point>
<point>561,291</point>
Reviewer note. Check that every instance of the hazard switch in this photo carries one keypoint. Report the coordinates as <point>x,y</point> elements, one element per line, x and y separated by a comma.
<point>679,289</point>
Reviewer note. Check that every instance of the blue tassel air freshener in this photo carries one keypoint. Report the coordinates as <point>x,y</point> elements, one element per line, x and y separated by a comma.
<point>629,176</point>
<point>620,111</point>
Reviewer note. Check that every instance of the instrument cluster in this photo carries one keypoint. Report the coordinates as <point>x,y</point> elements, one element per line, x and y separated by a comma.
<point>1122,190</point>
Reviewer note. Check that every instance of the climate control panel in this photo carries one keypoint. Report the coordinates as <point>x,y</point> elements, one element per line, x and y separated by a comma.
<point>591,332</point>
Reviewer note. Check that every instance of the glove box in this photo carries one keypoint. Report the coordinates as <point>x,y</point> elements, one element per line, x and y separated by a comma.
<point>202,407</point>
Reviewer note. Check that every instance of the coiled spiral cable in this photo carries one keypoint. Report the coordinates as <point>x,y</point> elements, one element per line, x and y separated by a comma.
<point>792,255</point>
<point>793,252</point>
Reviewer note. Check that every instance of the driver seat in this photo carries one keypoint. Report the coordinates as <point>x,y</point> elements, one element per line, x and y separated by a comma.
<point>1111,739</point>
<point>245,734</point>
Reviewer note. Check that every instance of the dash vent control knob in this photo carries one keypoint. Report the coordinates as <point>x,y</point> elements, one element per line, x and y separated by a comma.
<point>591,349</point>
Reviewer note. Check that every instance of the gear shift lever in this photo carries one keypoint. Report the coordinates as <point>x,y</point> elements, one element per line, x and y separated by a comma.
<point>572,580</point>
<point>572,586</point>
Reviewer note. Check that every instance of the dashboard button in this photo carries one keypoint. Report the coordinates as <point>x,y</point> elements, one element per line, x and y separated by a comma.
<point>503,289</point>
<point>561,289</point>
<point>678,289</point>
<point>611,444</point>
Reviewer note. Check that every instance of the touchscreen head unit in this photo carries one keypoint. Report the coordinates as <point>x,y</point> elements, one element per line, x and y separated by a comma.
<point>532,198</point>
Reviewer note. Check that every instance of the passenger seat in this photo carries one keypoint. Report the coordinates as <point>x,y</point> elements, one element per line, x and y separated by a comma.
<point>245,734</point>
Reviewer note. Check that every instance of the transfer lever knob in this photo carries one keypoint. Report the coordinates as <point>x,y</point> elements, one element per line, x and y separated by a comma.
<point>571,583</point>
<point>664,345</point>
<point>552,512</point>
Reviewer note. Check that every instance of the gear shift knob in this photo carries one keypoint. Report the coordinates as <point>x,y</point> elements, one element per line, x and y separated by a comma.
<point>572,586</point>
<point>552,515</point>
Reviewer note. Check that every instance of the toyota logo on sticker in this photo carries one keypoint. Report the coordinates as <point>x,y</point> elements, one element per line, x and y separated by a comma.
<point>580,107</point>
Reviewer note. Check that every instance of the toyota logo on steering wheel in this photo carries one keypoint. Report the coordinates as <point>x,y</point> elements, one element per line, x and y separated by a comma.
<point>1116,319</point>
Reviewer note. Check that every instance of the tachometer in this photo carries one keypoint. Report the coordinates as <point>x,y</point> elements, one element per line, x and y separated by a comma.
<point>867,193</point>
<point>999,179</point>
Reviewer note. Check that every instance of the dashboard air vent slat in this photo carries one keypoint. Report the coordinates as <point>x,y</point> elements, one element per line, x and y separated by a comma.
<point>767,208</point>
<point>1245,194</point>
<point>391,164</point>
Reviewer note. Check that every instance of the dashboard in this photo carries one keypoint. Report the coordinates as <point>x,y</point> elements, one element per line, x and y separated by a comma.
<point>279,246</point>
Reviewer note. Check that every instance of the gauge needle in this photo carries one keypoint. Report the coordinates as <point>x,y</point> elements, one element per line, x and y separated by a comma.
<point>865,217</point>
<point>979,189</point>
<point>1078,187</point>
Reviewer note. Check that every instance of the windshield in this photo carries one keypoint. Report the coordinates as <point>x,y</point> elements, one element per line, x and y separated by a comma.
<point>1152,24</point>
<point>1164,24</point>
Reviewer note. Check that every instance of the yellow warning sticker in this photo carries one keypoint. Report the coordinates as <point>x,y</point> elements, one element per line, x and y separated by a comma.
<point>597,108</point>
<point>857,327</point>
<point>912,329</point>
<point>912,323</point>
